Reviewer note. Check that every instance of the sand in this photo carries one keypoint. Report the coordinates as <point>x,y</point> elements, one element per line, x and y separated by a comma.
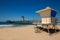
<point>26,33</point>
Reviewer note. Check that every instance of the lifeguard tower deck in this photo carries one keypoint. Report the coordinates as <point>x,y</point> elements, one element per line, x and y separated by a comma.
<point>48,17</point>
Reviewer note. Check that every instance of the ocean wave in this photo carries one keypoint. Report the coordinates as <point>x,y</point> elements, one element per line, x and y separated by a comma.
<point>7,25</point>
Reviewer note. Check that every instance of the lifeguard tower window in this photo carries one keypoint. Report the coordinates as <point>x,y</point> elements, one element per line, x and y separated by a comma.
<point>53,13</point>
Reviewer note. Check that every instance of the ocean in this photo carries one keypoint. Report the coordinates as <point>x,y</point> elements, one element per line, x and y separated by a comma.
<point>5,24</point>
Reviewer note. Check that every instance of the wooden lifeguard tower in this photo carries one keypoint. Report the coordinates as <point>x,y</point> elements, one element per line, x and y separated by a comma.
<point>48,18</point>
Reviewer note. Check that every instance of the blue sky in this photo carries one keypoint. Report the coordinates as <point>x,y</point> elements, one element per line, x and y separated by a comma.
<point>14,9</point>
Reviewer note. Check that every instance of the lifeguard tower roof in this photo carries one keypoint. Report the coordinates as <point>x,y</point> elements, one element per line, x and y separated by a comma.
<point>47,12</point>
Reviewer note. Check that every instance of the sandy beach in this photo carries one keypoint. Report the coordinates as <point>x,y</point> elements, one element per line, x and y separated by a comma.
<point>25,33</point>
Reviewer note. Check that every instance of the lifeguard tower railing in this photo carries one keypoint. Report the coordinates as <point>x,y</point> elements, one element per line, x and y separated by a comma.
<point>39,21</point>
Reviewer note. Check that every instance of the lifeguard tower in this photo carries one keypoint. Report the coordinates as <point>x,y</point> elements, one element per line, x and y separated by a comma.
<point>48,18</point>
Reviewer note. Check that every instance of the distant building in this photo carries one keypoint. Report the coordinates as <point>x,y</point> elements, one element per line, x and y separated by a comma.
<point>22,18</point>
